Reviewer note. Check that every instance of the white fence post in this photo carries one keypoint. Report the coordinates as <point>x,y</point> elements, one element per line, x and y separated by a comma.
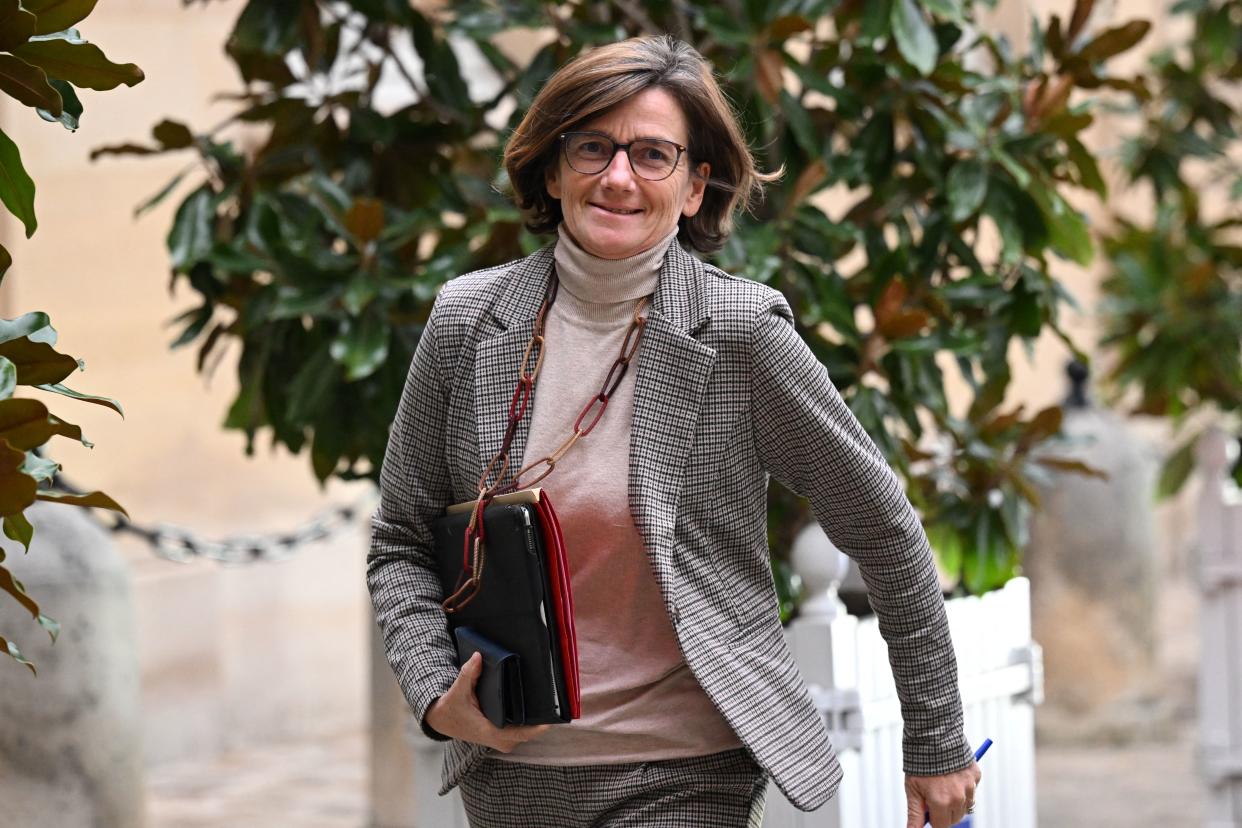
<point>1220,664</point>
<point>845,661</point>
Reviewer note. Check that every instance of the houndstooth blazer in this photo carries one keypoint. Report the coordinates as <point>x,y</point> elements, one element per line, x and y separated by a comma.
<point>726,393</point>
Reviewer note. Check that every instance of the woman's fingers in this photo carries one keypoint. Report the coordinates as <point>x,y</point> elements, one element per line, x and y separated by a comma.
<point>457,714</point>
<point>507,738</point>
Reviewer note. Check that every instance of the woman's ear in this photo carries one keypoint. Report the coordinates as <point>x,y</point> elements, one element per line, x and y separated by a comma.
<point>552,180</point>
<point>698,184</point>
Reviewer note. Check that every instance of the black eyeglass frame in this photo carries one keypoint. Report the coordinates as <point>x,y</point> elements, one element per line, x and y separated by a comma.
<point>616,147</point>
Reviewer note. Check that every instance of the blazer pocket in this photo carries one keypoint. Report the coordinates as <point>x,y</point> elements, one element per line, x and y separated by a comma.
<point>747,591</point>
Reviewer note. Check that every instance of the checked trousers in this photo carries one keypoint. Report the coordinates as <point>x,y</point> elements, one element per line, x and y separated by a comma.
<point>722,790</point>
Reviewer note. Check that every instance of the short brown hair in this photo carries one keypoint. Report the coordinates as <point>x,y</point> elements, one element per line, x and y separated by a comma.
<point>606,76</point>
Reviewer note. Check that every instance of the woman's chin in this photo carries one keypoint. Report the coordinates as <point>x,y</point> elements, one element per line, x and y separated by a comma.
<point>609,245</point>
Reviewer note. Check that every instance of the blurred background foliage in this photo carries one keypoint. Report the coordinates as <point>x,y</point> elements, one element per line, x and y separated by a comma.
<point>361,170</point>
<point>1173,310</point>
<point>44,61</point>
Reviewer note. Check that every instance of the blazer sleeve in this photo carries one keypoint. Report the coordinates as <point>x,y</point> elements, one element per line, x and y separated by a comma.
<point>401,567</point>
<point>809,440</point>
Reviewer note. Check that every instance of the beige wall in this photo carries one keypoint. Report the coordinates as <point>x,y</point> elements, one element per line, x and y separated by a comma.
<point>229,655</point>
<point>243,654</point>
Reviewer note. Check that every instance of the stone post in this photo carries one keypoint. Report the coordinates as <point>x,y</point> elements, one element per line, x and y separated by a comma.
<point>70,750</point>
<point>405,764</point>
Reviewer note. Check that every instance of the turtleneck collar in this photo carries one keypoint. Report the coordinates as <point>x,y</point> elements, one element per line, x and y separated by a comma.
<point>597,281</point>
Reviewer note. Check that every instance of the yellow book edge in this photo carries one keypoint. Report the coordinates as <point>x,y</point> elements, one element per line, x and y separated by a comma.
<point>523,496</point>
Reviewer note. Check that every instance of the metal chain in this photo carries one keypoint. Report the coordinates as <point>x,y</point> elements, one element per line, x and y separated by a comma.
<point>179,544</point>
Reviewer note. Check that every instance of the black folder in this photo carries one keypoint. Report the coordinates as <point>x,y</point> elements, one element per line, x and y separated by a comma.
<point>512,610</point>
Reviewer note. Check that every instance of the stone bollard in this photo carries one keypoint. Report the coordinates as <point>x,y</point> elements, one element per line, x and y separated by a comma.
<point>70,750</point>
<point>1092,566</point>
<point>405,764</point>
<point>392,762</point>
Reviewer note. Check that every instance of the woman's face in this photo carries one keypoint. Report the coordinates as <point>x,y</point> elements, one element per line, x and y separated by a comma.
<point>615,214</point>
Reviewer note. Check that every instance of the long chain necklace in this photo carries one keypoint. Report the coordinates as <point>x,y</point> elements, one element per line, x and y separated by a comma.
<point>474,549</point>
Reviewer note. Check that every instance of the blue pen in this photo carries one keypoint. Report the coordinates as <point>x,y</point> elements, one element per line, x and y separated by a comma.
<point>983,748</point>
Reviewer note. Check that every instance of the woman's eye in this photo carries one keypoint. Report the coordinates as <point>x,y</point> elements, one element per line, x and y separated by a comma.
<point>592,147</point>
<point>655,154</point>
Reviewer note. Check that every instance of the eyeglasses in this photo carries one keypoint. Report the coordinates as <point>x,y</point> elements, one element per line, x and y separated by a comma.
<point>590,153</point>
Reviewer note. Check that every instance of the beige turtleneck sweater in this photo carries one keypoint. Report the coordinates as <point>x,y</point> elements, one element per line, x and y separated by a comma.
<point>640,701</point>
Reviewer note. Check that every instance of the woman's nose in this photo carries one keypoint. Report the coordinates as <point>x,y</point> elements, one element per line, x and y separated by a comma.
<point>619,174</point>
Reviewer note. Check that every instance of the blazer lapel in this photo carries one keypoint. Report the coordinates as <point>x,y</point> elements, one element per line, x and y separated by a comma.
<point>498,358</point>
<point>673,371</point>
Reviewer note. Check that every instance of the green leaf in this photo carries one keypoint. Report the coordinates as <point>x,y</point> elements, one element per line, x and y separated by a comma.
<point>8,378</point>
<point>24,423</point>
<point>98,500</point>
<point>197,320</point>
<point>37,362</point>
<point>14,587</point>
<point>28,84</point>
<point>1088,168</point>
<point>70,35</point>
<point>160,196</point>
<point>17,528</point>
<point>67,429</point>
<point>967,186</point>
<point>800,124</point>
<point>311,387</point>
<point>50,624</point>
<point>16,25</point>
<point>949,9</point>
<point>359,293</point>
<point>915,39</point>
<point>946,543</point>
<point>267,27</point>
<point>1176,469</point>
<point>1020,174</point>
<point>1113,42</point>
<point>17,190</point>
<point>17,489</point>
<point>362,346</point>
<point>1067,464</point>
<point>1028,319</point>
<point>82,64</point>
<point>40,468</point>
<point>191,237</point>
<point>25,325</point>
<point>127,148</point>
<point>1068,231</point>
<point>1000,206</point>
<point>875,20</point>
<point>16,654</point>
<point>107,402</point>
<point>55,15</point>
<point>173,135</point>
<point>71,107</point>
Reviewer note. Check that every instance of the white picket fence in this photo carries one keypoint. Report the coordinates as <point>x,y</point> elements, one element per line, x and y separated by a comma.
<point>845,660</point>
<point>1000,668</point>
<point>1220,662</point>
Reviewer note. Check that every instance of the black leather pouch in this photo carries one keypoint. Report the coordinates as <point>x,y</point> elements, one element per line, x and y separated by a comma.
<point>499,689</point>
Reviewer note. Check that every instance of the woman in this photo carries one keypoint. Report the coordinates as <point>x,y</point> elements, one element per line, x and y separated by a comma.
<point>690,698</point>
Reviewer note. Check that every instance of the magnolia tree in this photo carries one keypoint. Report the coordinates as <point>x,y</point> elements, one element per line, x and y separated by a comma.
<point>319,248</point>
<point>43,62</point>
<point>1173,309</point>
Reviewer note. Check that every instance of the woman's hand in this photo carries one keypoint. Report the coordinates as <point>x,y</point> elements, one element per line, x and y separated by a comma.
<point>457,714</point>
<point>947,799</point>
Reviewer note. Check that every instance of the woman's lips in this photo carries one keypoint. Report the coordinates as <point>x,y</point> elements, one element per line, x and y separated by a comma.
<point>613,211</point>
